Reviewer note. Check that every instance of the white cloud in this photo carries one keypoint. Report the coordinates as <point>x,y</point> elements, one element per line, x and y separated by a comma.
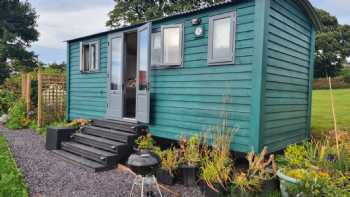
<point>62,20</point>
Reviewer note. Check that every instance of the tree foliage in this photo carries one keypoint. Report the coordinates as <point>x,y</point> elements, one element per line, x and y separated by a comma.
<point>17,32</point>
<point>332,46</point>
<point>137,11</point>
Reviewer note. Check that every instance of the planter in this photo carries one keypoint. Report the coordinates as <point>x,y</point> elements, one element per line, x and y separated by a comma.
<point>239,193</point>
<point>209,192</point>
<point>189,175</point>
<point>285,182</point>
<point>270,185</point>
<point>165,177</point>
<point>55,136</point>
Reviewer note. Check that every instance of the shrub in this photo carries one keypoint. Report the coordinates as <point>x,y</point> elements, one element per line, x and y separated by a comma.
<point>18,116</point>
<point>13,84</point>
<point>169,160</point>
<point>6,100</point>
<point>189,150</point>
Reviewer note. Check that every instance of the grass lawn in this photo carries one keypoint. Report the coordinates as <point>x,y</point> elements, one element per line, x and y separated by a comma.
<point>322,119</point>
<point>11,179</point>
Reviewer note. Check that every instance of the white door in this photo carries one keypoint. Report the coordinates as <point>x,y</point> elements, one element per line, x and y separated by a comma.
<point>143,67</point>
<point>115,75</point>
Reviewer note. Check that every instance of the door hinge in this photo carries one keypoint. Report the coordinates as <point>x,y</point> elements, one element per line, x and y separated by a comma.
<point>107,105</point>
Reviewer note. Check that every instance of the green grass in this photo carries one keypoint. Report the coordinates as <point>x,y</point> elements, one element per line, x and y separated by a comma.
<point>322,119</point>
<point>11,179</point>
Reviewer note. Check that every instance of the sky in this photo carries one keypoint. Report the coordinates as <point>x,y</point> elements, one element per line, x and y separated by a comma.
<point>61,20</point>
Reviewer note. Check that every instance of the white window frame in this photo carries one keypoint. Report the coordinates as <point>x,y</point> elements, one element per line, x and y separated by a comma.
<point>90,67</point>
<point>231,58</point>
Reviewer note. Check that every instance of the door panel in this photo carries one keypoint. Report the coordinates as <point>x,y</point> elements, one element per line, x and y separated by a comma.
<point>115,81</point>
<point>143,68</point>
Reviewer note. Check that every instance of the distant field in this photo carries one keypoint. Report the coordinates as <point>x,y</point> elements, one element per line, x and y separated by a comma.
<point>322,119</point>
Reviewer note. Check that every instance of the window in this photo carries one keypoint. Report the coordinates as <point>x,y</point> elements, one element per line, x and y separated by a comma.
<point>89,57</point>
<point>221,41</point>
<point>167,46</point>
<point>156,46</point>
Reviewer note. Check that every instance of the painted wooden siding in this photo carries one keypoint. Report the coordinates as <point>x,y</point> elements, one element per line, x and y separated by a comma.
<point>287,78</point>
<point>87,92</point>
<point>188,100</point>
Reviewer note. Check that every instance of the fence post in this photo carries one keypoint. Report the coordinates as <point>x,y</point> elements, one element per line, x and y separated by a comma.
<point>28,92</point>
<point>39,99</point>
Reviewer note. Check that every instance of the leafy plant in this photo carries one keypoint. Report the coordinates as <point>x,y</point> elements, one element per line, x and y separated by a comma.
<point>217,165</point>
<point>77,123</point>
<point>146,142</point>
<point>189,150</point>
<point>7,99</point>
<point>259,166</point>
<point>18,116</point>
<point>169,160</point>
<point>243,183</point>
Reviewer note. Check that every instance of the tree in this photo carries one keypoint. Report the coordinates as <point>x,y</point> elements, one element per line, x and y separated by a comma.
<point>332,46</point>
<point>17,32</point>
<point>137,11</point>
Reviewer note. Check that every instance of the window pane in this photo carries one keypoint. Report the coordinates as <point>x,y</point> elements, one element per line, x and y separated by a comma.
<point>93,56</point>
<point>116,59</point>
<point>143,69</point>
<point>156,49</point>
<point>221,38</point>
<point>86,56</point>
<point>172,49</point>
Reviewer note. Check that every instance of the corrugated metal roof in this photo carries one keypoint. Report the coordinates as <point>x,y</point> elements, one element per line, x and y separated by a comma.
<point>309,9</point>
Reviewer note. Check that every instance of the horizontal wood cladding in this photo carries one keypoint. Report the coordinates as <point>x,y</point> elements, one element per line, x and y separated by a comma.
<point>190,99</point>
<point>87,92</point>
<point>287,75</point>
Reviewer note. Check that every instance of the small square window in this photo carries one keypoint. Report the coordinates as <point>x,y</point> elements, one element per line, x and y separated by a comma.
<point>221,41</point>
<point>89,57</point>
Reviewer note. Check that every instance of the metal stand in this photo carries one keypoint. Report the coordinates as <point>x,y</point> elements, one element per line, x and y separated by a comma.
<point>145,180</point>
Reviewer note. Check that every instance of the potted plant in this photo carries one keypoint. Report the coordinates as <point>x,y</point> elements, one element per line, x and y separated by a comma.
<point>190,158</point>
<point>217,165</point>
<point>169,163</point>
<point>264,169</point>
<point>146,143</point>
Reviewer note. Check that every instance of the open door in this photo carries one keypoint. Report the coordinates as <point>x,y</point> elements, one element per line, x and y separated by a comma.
<point>143,68</point>
<point>115,75</point>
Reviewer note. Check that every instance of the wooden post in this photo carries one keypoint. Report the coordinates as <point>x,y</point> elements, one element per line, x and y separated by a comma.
<point>39,100</point>
<point>28,92</point>
<point>24,76</point>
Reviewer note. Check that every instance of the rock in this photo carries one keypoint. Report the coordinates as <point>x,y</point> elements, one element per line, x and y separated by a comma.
<point>4,118</point>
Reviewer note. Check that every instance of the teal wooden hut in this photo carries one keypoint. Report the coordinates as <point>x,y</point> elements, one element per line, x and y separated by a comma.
<point>174,72</point>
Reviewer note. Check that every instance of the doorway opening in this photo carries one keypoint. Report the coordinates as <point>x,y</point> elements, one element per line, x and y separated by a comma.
<point>129,75</point>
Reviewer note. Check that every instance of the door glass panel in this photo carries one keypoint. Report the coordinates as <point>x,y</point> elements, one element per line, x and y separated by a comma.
<point>116,44</point>
<point>221,38</point>
<point>143,61</point>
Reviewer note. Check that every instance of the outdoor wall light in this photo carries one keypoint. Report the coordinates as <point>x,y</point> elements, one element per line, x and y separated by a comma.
<point>196,21</point>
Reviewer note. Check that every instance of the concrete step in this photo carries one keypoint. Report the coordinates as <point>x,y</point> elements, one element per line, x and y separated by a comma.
<point>116,135</point>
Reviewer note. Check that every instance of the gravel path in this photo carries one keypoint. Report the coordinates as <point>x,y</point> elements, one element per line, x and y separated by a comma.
<point>49,176</point>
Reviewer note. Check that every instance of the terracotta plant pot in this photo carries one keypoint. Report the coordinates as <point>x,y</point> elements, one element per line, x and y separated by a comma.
<point>189,175</point>
<point>164,177</point>
<point>285,182</point>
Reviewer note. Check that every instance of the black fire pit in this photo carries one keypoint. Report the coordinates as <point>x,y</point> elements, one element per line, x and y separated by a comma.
<point>144,163</point>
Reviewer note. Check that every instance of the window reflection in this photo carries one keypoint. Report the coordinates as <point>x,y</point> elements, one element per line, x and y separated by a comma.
<point>116,44</point>
<point>143,64</point>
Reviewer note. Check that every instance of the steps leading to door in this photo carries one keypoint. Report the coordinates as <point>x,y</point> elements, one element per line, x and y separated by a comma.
<point>101,145</point>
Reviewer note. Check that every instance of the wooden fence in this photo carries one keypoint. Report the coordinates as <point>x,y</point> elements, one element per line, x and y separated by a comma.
<point>26,90</point>
<point>51,96</point>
